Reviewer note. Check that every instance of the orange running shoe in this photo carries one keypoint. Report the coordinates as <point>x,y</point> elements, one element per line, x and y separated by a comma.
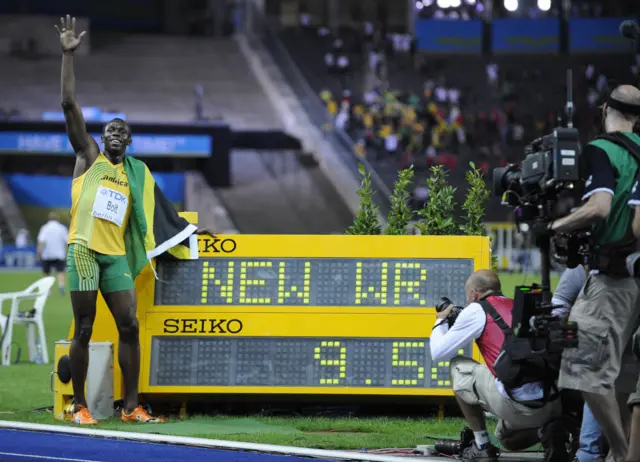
<point>140,415</point>
<point>83,416</point>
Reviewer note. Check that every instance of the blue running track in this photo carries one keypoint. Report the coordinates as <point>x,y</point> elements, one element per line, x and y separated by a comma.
<point>22,446</point>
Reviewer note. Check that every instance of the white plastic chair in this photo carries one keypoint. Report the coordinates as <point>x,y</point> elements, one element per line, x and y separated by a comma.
<point>38,292</point>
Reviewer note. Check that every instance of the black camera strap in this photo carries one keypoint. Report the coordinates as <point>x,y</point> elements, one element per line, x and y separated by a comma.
<point>548,386</point>
<point>491,311</point>
<point>623,141</point>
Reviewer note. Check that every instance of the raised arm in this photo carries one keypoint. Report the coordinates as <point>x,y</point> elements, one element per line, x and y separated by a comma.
<point>83,144</point>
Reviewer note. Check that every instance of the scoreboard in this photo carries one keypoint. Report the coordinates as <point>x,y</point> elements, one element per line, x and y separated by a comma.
<point>294,314</point>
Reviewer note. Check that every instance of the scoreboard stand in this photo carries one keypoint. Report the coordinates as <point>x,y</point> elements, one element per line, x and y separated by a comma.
<point>298,316</point>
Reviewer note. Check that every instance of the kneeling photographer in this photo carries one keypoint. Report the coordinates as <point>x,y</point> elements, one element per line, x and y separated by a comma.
<point>527,415</point>
<point>608,307</point>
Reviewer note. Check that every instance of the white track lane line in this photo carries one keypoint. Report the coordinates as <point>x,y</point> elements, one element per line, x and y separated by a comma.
<point>33,456</point>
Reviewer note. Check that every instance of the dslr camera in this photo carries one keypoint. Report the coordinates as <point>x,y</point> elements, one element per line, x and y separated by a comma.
<point>445,303</point>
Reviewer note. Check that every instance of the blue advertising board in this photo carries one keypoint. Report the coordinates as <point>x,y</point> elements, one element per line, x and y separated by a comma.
<point>525,36</point>
<point>603,34</point>
<point>447,36</point>
<point>14,257</point>
<point>142,145</point>
<point>90,114</point>
<point>53,191</point>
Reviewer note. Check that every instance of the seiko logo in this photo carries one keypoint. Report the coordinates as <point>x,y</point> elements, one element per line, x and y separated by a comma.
<point>202,326</point>
<point>219,245</point>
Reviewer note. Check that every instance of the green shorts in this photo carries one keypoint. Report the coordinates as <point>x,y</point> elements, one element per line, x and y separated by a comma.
<point>89,270</point>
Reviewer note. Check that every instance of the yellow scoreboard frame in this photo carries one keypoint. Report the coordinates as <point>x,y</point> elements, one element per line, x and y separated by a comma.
<point>331,333</point>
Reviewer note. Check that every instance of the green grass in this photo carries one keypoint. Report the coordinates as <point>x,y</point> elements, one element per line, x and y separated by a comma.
<point>25,386</point>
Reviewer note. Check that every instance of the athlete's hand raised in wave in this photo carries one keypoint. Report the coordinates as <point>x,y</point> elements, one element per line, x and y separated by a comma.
<point>67,30</point>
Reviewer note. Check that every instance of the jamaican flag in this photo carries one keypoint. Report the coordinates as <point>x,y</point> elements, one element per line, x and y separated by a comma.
<point>154,226</point>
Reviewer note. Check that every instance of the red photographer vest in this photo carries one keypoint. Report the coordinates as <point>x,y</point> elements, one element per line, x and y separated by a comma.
<point>492,338</point>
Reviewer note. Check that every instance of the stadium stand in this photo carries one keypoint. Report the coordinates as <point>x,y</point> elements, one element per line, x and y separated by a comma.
<point>201,198</point>
<point>150,78</point>
<point>11,219</point>
<point>497,116</point>
<point>282,192</point>
<point>303,114</point>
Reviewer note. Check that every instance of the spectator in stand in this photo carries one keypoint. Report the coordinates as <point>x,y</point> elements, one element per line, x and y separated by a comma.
<point>493,76</point>
<point>330,62</point>
<point>391,142</point>
<point>342,68</point>
<point>331,107</point>
<point>419,196</point>
<point>342,119</point>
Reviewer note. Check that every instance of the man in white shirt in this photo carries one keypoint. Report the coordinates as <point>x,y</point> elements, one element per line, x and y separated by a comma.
<point>391,144</point>
<point>52,248</point>
<point>524,420</point>
<point>22,239</point>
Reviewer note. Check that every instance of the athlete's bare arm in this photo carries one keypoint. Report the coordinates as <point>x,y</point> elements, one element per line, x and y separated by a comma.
<point>86,148</point>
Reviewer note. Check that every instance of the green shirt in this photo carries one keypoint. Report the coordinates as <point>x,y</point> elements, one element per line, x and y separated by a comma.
<point>617,176</point>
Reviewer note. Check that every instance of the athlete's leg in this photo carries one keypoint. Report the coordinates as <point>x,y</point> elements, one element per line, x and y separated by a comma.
<point>122,305</point>
<point>61,274</point>
<point>83,284</point>
<point>84,313</point>
<point>116,285</point>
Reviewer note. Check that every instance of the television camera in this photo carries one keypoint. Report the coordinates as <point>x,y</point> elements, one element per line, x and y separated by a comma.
<point>546,186</point>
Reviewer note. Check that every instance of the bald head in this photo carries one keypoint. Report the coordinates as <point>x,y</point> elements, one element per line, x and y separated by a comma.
<point>53,216</point>
<point>627,94</point>
<point>480,284</point>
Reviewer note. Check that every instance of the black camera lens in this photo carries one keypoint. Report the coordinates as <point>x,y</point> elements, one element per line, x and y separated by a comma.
<point>506,179</point>
<point>444,304</point>
<point>498,186</point>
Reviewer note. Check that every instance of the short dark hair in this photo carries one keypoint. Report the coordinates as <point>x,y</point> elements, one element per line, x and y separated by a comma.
<point>118,120</point>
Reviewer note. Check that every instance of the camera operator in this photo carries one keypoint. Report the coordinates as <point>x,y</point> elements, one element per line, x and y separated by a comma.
<point>591,439</point>
<point>524,418</point>
<point>633,265</point>
<point>607,308</point>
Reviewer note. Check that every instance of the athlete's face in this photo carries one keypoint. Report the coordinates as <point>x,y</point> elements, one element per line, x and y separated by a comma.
<point>116,137</point>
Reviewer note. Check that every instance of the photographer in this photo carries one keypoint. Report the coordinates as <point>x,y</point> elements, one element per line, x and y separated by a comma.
<point>607,308</point>
<point>524,417</point>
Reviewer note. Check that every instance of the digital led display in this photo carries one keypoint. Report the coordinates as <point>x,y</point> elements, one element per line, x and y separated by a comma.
<point>296,362</point>
<point>303,314</point>
<point>312,281</point>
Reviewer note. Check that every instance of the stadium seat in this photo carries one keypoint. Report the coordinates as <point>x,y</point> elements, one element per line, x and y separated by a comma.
<point>32,319</point>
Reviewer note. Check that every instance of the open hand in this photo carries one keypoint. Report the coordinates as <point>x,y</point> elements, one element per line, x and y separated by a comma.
<point>67,30</point>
